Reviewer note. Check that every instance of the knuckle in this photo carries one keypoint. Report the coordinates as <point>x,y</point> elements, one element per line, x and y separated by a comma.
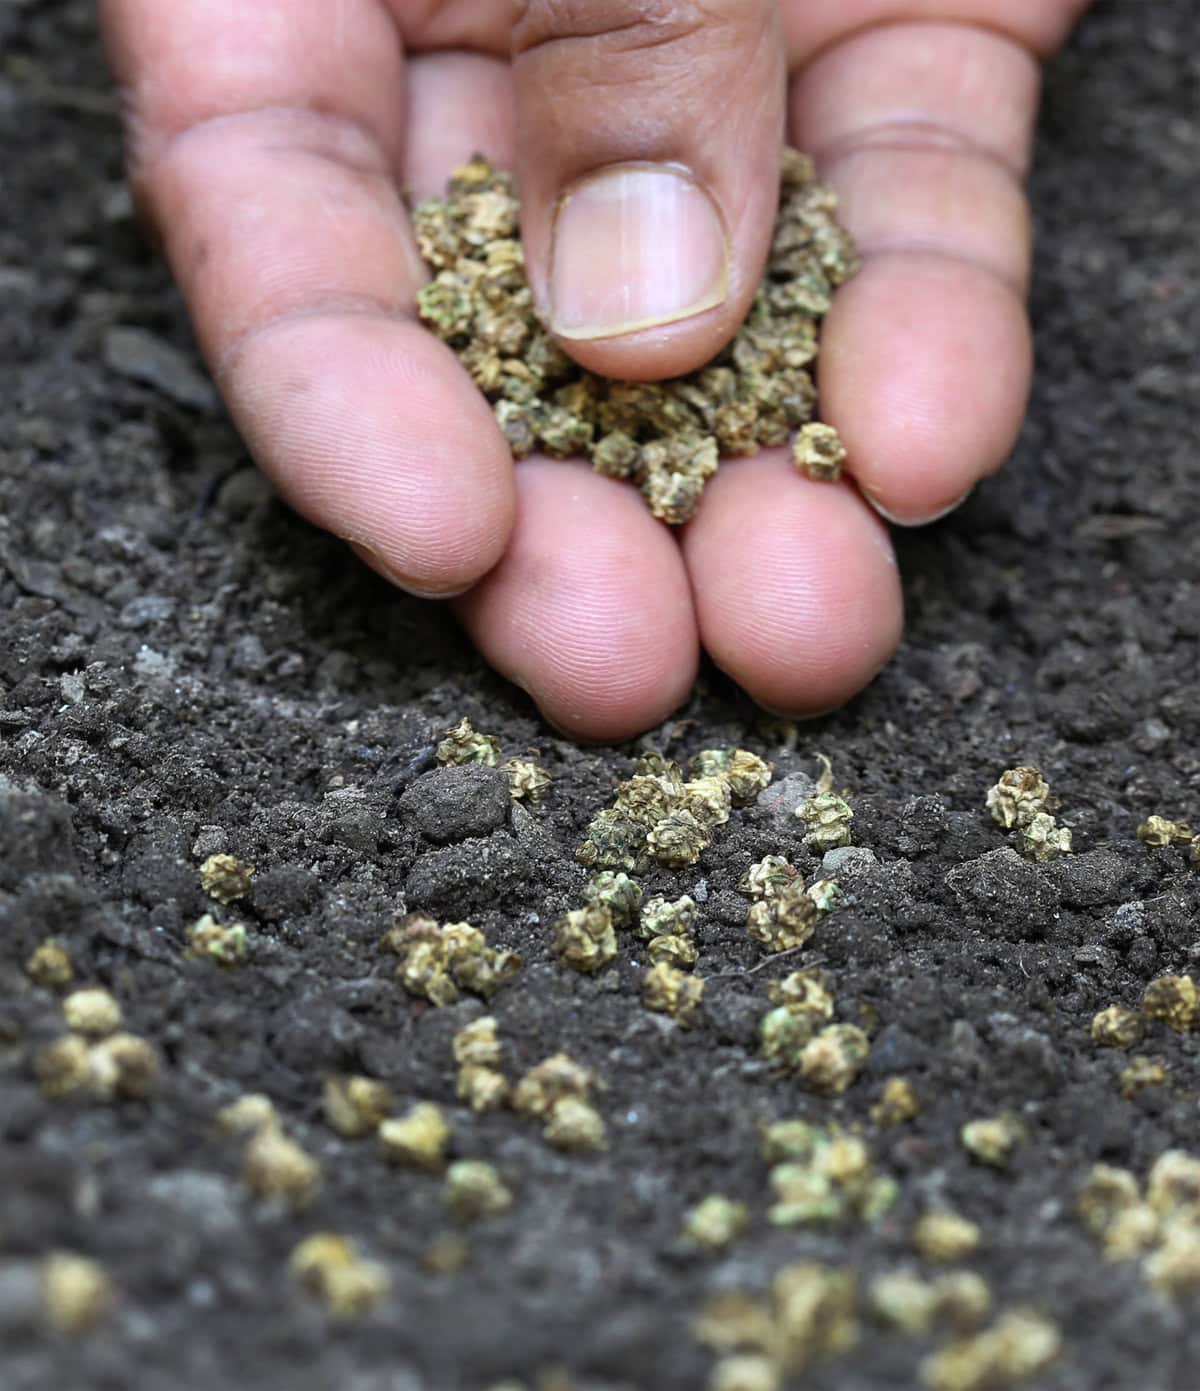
<point>624,27</point>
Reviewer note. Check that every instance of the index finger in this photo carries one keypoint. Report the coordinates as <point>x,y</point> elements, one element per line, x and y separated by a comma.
<point>265,142</point>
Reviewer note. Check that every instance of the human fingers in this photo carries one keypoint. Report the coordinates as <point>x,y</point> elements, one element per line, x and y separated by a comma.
<point>796,590</point>
<point>648,140</point>
<point>924,130</point>
<point>589,610</point>
<point>266,143</point>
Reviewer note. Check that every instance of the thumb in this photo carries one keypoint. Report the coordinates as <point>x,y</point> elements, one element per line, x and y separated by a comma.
<point>648,144</point>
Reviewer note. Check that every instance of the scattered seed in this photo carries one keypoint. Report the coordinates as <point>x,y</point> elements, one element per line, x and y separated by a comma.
<point>585,939</point>
<point>1142,1072</point>
<point>446,1255</point>
<point>945,1237</point>
<point>1117,1027</point>
<point>463,745</point>
<point>225,877</point>
<point>77,1293</point>
<point>828,819</point>
<point>574,1126</point>
<point>1158,831</point>
<point>898,1103</point>
<point>818,452</point>
<point>1174,1000</point>
<point>554,1079</point>
<point>209,940</point>
<point>93,1012</point>
<point>528,781</point>
<point>1018,796</point>
<point>474,1191</point>
<point>275,1166</point>
<point>716,1222</point>
<point>1018,1345</point>
<point>248,1113</point>
<point>831,1061</point>
<point>994,1140</point>
<point>355,1106</point>
<point>667,990</point>
<point>50,966</point>
<point>331,1267</point>
<point>418,1139</point>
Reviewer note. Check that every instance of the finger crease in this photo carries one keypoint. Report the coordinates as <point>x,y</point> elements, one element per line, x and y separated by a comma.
<point>915,136</point>
<point>336,137</point>
<point>920,246</point>
<point>334,306</point>
<point>635,36</point>
<point>993,31</point>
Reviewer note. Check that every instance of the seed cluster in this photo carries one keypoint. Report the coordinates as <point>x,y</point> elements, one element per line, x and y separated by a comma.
<point>1160,1225</point>
<point>97,1060</point>
<point>1020,801</point>
<point>557,1092</point>
<point>822,1175</point>
<point>478,1054</point>
<point>331,1267</point>
<point>797,1036</point>
<point>437,962</point>
<point>528,781</point>
<point>665,436</point>
<point>1018,1345</point>
<point>784,913</point>
<point>902,1299</point>
<point>1157,831</point>
<point>659,817</point>
<point>811,1314</point>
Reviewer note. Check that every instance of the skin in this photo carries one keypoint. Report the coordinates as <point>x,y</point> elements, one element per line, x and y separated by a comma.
<point>269,144</point>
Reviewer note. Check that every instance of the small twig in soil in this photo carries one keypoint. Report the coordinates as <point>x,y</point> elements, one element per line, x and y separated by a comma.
<point>768,961</point>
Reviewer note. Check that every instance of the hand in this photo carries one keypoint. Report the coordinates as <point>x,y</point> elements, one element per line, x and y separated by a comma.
<point>270,142</point>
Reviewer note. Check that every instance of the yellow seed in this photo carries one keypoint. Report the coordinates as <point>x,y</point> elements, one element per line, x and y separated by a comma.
<point>418,1139</point>
<point>77,1292</point>
<point>276,1167</point>
<point>225,877</point>
<point>93,1012</point>
<point>355,1106</point>
<point>945,1236</point>
<point>331,1267</point>
<point>50,966</point>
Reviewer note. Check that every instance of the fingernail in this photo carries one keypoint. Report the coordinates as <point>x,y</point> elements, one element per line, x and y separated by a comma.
<point>801,716</point>
<point>922,520</point>
<point>634,246</point>
<point>370,556</point>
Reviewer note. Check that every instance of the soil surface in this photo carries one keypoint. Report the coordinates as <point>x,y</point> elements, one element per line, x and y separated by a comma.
<point>187,668</point>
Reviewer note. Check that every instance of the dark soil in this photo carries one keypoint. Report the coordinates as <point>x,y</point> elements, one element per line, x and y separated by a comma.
<point>185,668</point>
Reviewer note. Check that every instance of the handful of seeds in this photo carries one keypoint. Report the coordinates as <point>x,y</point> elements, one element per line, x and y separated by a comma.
<point>665,436</point>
